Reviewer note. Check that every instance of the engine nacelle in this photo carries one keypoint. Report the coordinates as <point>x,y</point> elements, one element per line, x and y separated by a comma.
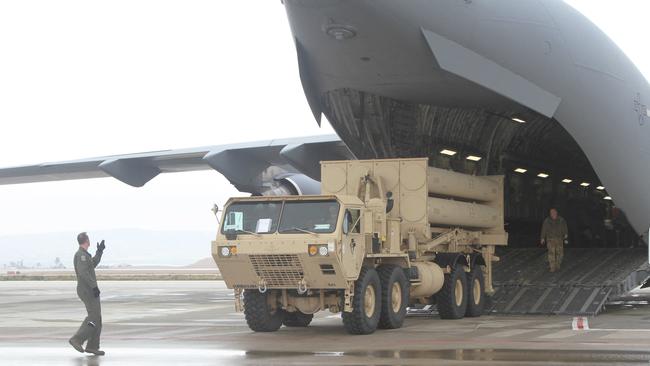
<point>292,184</point>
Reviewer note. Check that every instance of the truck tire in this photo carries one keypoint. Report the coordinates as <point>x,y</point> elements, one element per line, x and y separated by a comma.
<point>452,298</point>
<point>475,292</point>
<point>366,304</point>
<point>394,296</point>
<point>296,319</point>
<point>259,316</point>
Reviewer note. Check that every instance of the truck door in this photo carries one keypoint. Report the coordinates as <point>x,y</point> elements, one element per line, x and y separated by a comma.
<point>352,244</point>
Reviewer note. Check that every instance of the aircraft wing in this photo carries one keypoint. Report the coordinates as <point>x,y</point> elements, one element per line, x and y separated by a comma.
<point>260,167</point>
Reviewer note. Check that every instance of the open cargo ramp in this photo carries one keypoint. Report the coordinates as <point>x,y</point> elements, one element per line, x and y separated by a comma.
<point>588,279</point>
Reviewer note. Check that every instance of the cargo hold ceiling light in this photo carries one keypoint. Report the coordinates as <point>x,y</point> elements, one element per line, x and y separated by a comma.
<point>607,198</point>
<point>473,158</point>
<point>567,180</point>
<point>448,152</point>
<point>542,175</point>
<point>521,170</point>
<point>585,184</point>
<point>518,119</point>
<point>600,188</point>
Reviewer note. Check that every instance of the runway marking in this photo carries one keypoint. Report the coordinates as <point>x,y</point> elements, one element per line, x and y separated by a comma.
<point>108,331</point>
<point>239,332</point>
<point>498,324</point>
<point>627,334</point>
<point>511,332</point>
<point>563,334</point>
<point>620,330</point>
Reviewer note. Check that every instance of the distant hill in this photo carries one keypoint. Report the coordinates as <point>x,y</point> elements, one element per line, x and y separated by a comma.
<point>123,246</point>
<point>204,263</point>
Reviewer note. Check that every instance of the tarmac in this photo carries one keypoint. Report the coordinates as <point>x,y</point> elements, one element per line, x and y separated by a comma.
<point>194,323</point>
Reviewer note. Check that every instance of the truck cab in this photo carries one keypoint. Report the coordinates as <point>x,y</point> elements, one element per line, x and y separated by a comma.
<point>293,242</point>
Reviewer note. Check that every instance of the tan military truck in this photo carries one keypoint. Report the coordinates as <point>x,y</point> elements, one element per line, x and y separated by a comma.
<point>383,235</point>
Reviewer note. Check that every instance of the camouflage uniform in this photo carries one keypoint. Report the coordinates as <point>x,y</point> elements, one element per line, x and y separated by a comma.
<point>553,233</point>
<point>91,327</point>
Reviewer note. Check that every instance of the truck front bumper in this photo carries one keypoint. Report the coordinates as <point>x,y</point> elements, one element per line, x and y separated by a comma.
<point>289,267</point>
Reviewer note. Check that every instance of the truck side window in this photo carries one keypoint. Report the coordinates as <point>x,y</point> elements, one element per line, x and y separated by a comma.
<point>352,224</point>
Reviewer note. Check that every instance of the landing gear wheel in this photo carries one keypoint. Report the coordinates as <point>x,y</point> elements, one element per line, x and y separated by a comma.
<point>475,293</point>
<point>394,296</point>
<point>452,298</point>
<point>259,316</point>
<point>366,304</point>
<point>296,319</point>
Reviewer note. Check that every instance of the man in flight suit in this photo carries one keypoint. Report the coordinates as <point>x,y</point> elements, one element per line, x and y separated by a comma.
<point>554,235</point>
<point>88,292</point>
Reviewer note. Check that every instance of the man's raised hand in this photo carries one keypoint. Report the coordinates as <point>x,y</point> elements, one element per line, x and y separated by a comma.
<point>101,246</point>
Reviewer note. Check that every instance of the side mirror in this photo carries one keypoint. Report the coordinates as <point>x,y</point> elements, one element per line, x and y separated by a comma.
<point>347,221</point>
<point>215,211</point>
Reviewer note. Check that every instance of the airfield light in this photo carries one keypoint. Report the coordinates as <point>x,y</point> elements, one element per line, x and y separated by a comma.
<point>448,152</point>
<point>521,170</point>
<point>567,180</point>
<point>473,158</point>
<point>542,175</point>
<point>585,184</point>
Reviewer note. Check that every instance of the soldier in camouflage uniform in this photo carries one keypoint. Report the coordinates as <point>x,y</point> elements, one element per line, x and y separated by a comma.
<point>88,292</point>
<point>554,235</point>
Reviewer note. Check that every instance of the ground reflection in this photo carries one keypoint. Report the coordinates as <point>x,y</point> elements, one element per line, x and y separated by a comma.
<point>88,361</point>
<point>504,355</point>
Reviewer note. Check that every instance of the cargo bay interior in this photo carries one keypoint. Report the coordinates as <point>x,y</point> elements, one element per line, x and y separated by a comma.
<point>543,165</point>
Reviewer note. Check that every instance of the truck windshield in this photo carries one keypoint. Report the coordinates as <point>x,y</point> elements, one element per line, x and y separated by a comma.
<point>312,216</point>
<point>252,217</point>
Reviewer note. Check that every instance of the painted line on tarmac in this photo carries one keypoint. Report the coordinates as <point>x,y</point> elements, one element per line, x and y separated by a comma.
<point>620,330</point>
<point>562,334</point>
<point>511,332</point>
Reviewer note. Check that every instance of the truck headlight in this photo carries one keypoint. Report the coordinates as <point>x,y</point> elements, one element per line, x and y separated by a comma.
<point>322,250</point>
<point>312,250</point>
<point>318,249</point>
<point>227,251</point>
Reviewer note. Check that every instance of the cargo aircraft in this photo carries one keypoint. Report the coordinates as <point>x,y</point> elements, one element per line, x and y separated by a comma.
<point>532,90</point>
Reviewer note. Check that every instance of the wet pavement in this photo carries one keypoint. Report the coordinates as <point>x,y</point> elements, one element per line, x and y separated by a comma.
<point>194,323</point>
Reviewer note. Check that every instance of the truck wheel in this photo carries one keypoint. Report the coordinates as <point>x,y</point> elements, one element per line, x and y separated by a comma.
<point>366,304</point>
<point>394,296</point>
<point>259,316</point>
<point>296,319</point>
<point>452,298</point>
<point>475,293</point>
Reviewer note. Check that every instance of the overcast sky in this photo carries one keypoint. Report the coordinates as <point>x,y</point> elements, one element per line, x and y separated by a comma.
<point>88,78</point>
